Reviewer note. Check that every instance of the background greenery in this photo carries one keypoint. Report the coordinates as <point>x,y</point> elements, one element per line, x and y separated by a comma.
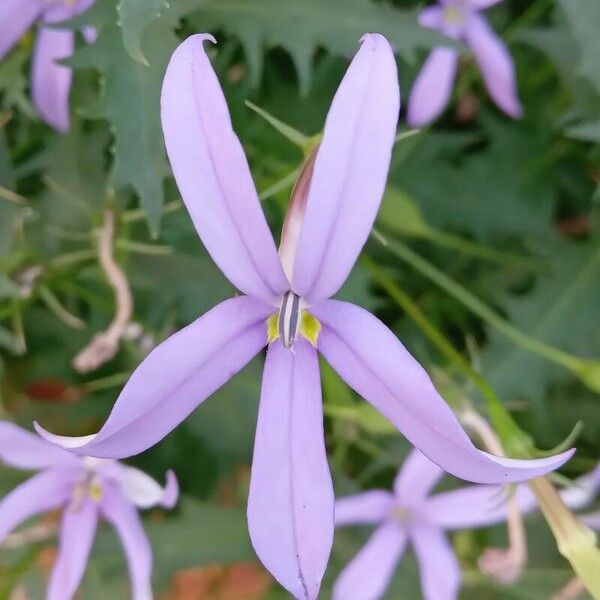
<point>506,209</point>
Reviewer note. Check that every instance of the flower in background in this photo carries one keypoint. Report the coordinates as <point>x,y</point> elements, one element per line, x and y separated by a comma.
<point>50,81</point>
<point>287,306</point>
<point>461,20</point>
<point>410,514</point>
<point>86,489</point>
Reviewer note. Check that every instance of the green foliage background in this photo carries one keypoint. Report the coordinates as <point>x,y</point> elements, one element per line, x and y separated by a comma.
<point>507,209</point>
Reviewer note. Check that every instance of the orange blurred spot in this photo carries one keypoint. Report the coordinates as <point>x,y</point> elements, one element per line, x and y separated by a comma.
<point>240,581</point>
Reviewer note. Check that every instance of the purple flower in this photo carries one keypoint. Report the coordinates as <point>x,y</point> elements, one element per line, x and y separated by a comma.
<point>410,514</point>
<point>86,489</point>
<point>461,20</point>
<point>50,81</point>
<point>286,306</point>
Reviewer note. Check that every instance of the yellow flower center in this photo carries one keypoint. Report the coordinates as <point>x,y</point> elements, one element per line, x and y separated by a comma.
<point>454,16</point>
<point>309,327</point>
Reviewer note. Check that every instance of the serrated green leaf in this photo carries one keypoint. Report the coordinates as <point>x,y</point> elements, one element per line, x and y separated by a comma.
<point>489,190</point>
<point>134,17</point>
<point>305,25</point>
<point>130,103</point>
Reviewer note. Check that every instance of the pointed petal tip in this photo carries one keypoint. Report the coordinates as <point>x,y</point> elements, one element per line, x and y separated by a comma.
<point>377,42</point>
<point>206,37</point>
<point>518,470</point>
<point>171,491</point>
<point>74,444</point>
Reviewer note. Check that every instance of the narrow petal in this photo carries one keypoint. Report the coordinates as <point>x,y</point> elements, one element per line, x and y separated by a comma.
<point>77,531</point>
<point>350,171</point>
<point>121,514</point>
<point>290,505</point>
<point>496,64</point>
<point>90,34</point>
<point>212,173</point>
<point>438,565</point>
<point>24,450</point>
<point>176,377</point>
<point>368,574</point>
<point>432,87</point>
<point>592,520</point>
<point>473,506</point>
<point>416,478</point>
<point>42,492</point>
<point>432,17</point>
<point>372,361</point>
<point>481,4</point>
<point>16,17</point>
<point>367,507</point>
<point>576,497</point>
<point>50,81</point>
<point>144,492</point>
<point>292,225</point>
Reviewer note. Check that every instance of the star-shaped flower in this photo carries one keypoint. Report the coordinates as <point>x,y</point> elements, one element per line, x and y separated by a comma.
<point>286,306</point>
<point>50,81</point>
<point>461,20</point>
<point>86,489</point>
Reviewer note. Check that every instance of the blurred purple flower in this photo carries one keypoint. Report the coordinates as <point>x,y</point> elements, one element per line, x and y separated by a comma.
<point>87,489</point>
<point>290,506</point>
<point>410,514</point>
<point>461,20</point>
<point>50,81</point>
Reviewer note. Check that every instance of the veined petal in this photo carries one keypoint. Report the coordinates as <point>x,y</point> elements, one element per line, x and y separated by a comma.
<point>16,17</point>
<point>24,450</point>
<point>438,565</point>
<point>496,64</point>
<point>432,87</point>
<point>212,173</point>
<point>144,492</point>
<point>50,81</point>
<point>473,506</point>
<point>121,514</point>
<point>416,478</point>
<point>77,531</point>
<point>291,503</point>
<point>372,361</point>
<point>368,574</point>
<point>175,378</point>
<point>350,171</point>
<point>42,492</point>
<point>367,507</point>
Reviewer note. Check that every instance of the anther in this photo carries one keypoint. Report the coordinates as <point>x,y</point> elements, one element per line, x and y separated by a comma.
<point>289,319</point>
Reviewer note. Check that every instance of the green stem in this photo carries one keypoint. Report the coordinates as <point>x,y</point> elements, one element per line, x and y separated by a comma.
<point>479,250</point>
<point>483,311</point>
<point>71,258</point>
<point>286,182</point>
<point>139,214</point>
<point>108,382</point>
<point>61,313</point>
<point>513,438</point>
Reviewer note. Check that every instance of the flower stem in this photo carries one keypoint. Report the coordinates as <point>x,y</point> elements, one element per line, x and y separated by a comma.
<point>575,541</point>
<point>516,441</point>
<point>575,364</point>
